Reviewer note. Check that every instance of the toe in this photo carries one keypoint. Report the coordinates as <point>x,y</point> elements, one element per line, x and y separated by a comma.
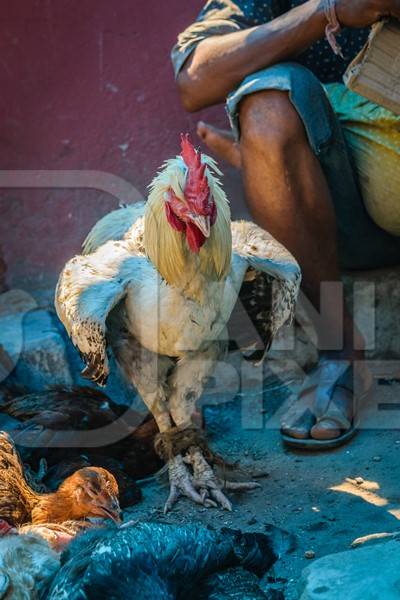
<point>299,433</point>
<point>240,486</point>
<point>325,429</point>
<point>208,503</point>
<point>181,483</point>
<point>221,499</point>
<point>190,492</point>
<point>202,130</point>
<point>172,498</point>
<point>300,426</point>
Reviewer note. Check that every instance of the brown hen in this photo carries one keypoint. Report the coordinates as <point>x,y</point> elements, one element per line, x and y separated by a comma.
<point>90,492</point>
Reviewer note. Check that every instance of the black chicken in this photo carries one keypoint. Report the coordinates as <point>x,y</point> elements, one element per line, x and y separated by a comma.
<point>151,561</point>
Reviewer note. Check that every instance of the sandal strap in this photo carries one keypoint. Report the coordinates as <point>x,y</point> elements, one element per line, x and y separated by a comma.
<point>347,379</point>
<point>324,379</point>
<point>332,374</point>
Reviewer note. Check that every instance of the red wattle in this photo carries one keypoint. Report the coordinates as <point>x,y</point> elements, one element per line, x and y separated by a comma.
<point>194,237</point>
<point>173,220</point>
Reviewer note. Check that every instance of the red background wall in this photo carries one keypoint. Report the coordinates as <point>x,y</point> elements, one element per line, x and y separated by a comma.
<point>85,84</point>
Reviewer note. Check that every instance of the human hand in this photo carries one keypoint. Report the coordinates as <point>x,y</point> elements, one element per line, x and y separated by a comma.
<point>362,13</point>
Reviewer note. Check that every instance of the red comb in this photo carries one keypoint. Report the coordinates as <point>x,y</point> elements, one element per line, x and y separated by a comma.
<point>197,190</point>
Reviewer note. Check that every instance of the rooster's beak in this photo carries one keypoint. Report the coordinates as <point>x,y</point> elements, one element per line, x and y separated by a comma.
<point>202,223</point>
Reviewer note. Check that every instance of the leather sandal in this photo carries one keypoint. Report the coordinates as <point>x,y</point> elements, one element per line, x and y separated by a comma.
<point>324,380</point>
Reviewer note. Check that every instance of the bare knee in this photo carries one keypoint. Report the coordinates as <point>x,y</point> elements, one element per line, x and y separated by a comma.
<point>269,121</point>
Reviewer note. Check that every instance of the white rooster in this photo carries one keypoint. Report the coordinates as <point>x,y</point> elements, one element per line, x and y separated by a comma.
<point>157,282</point>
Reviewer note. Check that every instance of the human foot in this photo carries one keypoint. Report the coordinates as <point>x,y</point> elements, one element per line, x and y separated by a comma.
<point>221,142</point>
<point>305,425</point>
<point>325,410</point>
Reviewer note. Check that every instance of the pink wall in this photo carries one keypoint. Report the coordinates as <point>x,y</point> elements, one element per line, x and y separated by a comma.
<point>86,85</point>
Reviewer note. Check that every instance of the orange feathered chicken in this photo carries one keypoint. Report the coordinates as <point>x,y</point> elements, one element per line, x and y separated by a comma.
<point>90,492</point>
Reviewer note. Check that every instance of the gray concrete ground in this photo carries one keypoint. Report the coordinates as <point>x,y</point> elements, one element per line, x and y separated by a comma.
<point>327,499</point>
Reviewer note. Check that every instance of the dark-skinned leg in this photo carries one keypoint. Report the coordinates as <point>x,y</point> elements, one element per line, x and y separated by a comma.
<point>285,187</point>
<point>288,195</point>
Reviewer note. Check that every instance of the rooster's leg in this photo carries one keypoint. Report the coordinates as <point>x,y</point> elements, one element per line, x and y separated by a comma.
<point>209,484</point>
<point>182,484</point>
<point>147,371</point>
<point>187,382</point>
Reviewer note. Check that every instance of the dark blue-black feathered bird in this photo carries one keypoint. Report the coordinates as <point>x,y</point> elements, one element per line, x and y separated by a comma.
<point>151,561</point>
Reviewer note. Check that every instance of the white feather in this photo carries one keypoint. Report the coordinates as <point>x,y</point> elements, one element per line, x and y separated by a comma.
<point>171,320</point>
<point>27,566</point>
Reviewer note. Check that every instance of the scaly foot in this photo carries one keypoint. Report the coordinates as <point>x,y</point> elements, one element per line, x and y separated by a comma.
<point>209,485</point>
<point>182,484</point>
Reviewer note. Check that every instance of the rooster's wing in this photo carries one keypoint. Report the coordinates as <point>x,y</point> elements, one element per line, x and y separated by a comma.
<point>89,287</point>
<point>268,295</point>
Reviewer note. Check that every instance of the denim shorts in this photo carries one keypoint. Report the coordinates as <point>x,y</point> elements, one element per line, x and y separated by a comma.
<point>362,244</point>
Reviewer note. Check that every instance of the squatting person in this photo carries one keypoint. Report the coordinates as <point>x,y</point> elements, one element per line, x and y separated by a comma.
<point>319,163</point>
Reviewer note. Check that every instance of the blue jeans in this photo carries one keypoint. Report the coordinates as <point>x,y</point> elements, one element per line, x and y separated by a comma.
<point>361,243</point>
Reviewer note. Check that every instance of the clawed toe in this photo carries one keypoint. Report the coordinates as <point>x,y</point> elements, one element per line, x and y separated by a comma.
<point>221,499</point>
<point>181,484</point>
<point>239,486</point>
<point>192,476</point>
<point>210,485</point>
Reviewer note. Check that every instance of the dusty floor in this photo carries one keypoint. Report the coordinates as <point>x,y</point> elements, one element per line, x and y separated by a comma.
<point>315,496</point>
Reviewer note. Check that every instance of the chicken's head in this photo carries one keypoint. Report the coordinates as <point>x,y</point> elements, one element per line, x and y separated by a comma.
<point>196,213</point>
<point>95,493</point>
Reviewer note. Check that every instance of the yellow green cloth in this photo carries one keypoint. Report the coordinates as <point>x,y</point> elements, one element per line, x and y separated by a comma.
<point>372,134</point>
